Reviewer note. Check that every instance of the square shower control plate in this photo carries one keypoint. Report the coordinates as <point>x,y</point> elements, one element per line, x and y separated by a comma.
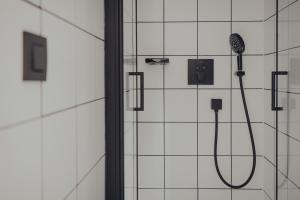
<point>200,71</point>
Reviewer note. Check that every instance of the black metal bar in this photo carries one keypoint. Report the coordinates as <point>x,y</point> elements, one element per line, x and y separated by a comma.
<point>142,90</point>
<point>274,90</point>
<point>114,115</point>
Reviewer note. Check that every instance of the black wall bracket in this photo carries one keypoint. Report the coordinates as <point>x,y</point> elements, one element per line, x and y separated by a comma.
<point>34,57</point>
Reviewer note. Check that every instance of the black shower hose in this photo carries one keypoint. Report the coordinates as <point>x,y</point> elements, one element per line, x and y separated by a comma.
<point>251,137</point>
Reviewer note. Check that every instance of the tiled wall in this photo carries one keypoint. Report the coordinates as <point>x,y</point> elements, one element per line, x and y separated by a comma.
<point>176,130</point>
<point>288,134</point>
<point>52,133</point>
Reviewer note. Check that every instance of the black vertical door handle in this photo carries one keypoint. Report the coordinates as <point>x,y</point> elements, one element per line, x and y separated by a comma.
<point>274,89</point>
<point>142,90</point>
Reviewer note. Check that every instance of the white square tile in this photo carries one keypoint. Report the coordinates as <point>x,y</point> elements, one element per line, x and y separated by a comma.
<point>150,194</point>
<point>181,38</point>
<point>179,194</point>
<point>214,10</point>
<point>150,10</point>
<point>285,144</point>
<point>269,179</point>
<point>59,149</point>
<point>151,138</point>
<point>294,162</point>
<point>283,29</point>
<point>181,172</point>
<point>93,186</point>
<point>72,196</point>
<point>181,105</point>
<point>214,194</point>
<point>269,8</point>
<point>222,71</point>
<point>244,10</point>
<point>270,35</point>
<point>206,138</point>
<point>269,66</point>
<point>247,194</point>
<point>180,10</point>
<point>205,113</point>
<point>20,169</point>
<point>90,131</point>
<point>153,73</point>
<point>176,72</point>
<point>254,69</point>
<point>213,38</point>
<point>36,2</point>
<point>150,38</point>
<point>90,16</point>
<point>86,67</point>
<point>100,65</point>
<point>255,103</point>
<point>181,138</point>
<point>63,8</point>
<point>269,143</point>
<point>241,168</point>
<point>129,11</point>
<point>293,191</point>
<point>14,91</point>
<point>153,111</point>
<point>269,114</point>
<point>252,34</point>
<point>283,3</point>
<point>129,39</point>
<point>151,172</point>
<point>61,73</point>
<point>207,174</point>
<point>294,29</point>
<point>241,144</point>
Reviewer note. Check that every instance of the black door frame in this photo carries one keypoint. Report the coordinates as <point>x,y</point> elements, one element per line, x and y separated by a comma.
<point>114,116</point>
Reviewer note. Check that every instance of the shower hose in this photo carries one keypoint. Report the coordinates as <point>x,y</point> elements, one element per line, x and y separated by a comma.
<point>240,75</point>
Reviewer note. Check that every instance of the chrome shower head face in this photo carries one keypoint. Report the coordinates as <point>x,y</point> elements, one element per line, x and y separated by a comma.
<point>237,43</point>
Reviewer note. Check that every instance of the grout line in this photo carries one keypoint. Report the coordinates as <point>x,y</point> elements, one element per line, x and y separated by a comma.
<point>84,177</point>
<point>287,135</point>
<point>197,92</point>
<point>231,102</point>
<point>63,19</point>
<point>9,126</point>
<point>201,21</point>
<point>266,193</point>
<point>195,55</point>
<point>199,155</point>
<point>208,122</point>
<point>202,188</point>
<point>274,165</point>
<point>164,94</point>
<point>137,114</point>
<point>215,88</point>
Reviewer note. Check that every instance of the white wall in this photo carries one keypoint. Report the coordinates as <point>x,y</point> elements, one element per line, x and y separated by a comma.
<point>52,144</point>
<point>176,130</point>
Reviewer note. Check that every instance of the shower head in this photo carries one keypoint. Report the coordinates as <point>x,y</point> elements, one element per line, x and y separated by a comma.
<point>237,43</point>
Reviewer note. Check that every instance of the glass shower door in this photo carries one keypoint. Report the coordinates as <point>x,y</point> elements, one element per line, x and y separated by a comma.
<point>130,95</point>
<point>288,118</point>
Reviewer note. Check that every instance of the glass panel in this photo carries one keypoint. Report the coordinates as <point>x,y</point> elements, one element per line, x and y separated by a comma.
<point>130,169</point>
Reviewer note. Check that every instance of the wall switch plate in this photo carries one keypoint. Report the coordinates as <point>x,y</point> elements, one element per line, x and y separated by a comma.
<point>34,57</point>
<point>200,71</point>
